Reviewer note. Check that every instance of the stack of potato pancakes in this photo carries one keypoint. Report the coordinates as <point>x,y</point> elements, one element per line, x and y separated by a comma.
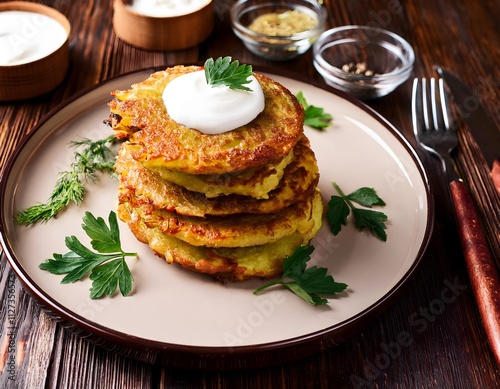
<point>233,205</point>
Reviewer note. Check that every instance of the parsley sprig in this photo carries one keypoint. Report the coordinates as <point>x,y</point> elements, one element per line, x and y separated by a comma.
<point>308,284</point>
<point>107,267</point>
<point>93,157</point>
<point>316,117</point>
<point>341,206</point>
<point>225,72</point>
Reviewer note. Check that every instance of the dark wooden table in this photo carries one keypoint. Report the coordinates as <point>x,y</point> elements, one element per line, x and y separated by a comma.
<point>448,347</point>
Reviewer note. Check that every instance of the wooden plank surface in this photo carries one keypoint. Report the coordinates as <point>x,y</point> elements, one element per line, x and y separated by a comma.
<point>446,348</point>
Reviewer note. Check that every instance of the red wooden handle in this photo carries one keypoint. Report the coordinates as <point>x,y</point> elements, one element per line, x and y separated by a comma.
<point>482,270</point>
<point>495,174</point>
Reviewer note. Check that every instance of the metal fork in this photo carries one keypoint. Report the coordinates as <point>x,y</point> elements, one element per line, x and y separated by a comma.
<point>433,126</point>
<point>436,133</point>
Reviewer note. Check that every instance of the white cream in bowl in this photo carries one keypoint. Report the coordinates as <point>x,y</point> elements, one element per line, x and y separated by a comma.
<point>28,36</point>
<point>166,8</point>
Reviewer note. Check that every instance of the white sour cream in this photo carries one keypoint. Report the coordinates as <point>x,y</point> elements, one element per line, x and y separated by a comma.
<point>193,103</point>
<point>28,36</point>
<point>166,8</point>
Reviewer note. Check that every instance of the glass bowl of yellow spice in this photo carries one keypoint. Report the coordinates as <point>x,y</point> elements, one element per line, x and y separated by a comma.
<point>278,30</point>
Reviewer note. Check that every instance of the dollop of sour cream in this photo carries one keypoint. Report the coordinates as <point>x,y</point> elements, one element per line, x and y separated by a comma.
<point>28,36</point>
<point>193,103</point>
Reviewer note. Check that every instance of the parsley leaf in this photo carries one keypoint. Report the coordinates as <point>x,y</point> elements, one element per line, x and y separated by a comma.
<point>107,267</point>
<point>374,220</point>
<point>104,239</point>
<point>308,284</point>
<point>341,206</point>
<point>367,197</point>
<point>107,276</point>
<point>315,116</point>
<point>338,213</point>
<point>225,72</point>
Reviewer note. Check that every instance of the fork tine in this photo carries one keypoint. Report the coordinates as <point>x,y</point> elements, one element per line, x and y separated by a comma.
<point>416,108</point>
<point>425,105</point>
<point>445,106</point>
<point>419,111</point>
<point>435,104</point>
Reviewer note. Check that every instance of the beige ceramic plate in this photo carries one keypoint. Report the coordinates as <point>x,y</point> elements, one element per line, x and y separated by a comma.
<point>182,318</point>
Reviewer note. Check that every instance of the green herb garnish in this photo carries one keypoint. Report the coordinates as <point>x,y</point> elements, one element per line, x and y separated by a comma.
<point>69,188</point>
<point>341,206</point>
<point>307,284</point>
<point>225,72</point>
<point>107,267</point>
<point>315,116</point>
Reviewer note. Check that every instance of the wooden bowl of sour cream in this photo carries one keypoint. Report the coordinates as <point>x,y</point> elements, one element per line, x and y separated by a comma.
<point>164,24</point>
<point>34,49</point>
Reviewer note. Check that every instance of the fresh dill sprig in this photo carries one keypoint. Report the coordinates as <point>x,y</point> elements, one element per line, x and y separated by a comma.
<point>94,156</point>
<point>224,72</point>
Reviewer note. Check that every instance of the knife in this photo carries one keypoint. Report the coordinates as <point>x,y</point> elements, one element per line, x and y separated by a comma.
<point>486,133</point>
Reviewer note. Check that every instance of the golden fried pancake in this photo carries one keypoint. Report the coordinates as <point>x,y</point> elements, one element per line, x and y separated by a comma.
<point>256,183</point>
<point>240,230</point>
<point>234,264</point>
<point>140,115</point>
<point>298,182</point>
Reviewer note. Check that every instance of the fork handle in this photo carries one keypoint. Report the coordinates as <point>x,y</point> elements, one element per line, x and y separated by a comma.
<point>495,174</point>
<point>480,265</point>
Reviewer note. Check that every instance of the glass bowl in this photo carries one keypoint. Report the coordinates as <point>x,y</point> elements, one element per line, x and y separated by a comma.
<point>268,44</point>
<point>367,62</point>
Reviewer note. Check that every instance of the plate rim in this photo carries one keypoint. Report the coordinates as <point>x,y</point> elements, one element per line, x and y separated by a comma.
<point>217,357</point>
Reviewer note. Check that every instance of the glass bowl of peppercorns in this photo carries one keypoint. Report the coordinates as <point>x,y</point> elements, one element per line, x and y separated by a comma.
<point>367,62</point>
<point>278,30</point>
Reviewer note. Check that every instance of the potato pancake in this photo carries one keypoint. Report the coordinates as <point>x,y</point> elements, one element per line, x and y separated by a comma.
<point>233,264</point>
<point>140,115</point>
<point>256,183</point>
<point>240,230</point>
<point>299,180</point>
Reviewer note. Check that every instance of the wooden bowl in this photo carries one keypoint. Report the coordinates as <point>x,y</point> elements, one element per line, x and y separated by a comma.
<point>31,78</point>
<point>162,33</point>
